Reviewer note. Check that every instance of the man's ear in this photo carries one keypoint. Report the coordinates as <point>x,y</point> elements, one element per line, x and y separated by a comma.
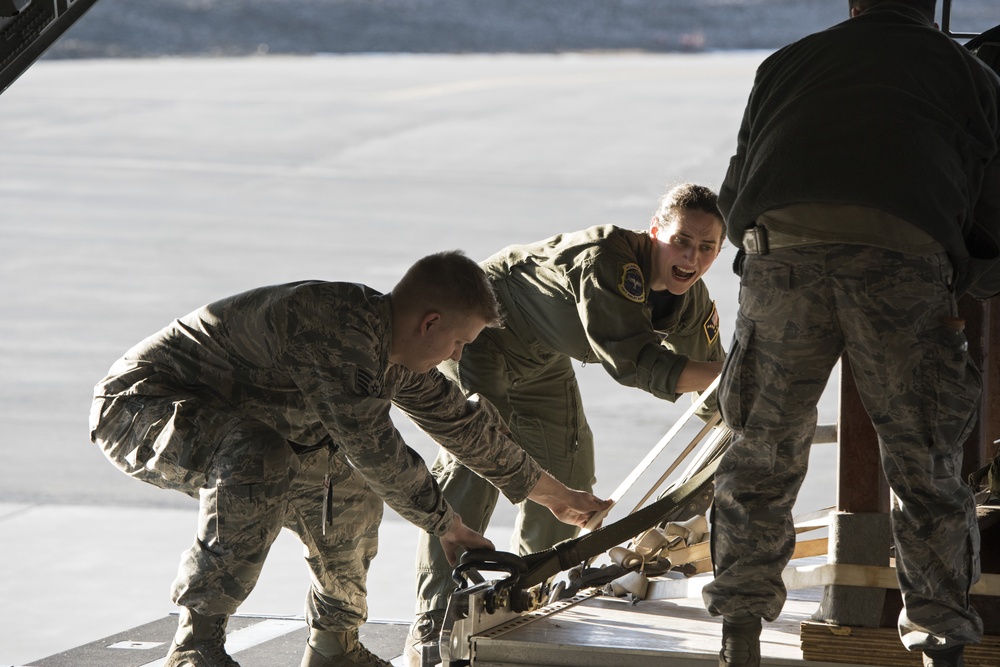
<point>654,229</point>
<point>430,319</point>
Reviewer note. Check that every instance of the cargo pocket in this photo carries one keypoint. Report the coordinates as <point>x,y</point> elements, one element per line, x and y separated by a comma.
<point>738,377</point>
<point>954,386</point>
<point>247,519</point>
<point>530,434</point>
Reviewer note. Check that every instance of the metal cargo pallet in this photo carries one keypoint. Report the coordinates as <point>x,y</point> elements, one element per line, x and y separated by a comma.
<point>592,631</point>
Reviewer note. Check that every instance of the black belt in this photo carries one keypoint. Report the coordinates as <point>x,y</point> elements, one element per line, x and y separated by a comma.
<point>760,240</point>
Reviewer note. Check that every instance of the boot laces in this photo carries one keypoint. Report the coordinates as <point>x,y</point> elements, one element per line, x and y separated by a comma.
<point>210,652</point>
<point>362,656</point>
<point>215,648</point>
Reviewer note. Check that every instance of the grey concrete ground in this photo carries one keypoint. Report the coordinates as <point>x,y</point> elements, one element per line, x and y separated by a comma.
<point>132,192</point>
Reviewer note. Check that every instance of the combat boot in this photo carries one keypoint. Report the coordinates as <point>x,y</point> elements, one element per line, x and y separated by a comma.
<point>945,657</point>
<point>354,652</point>
<point>423,642</point>
<point>740,642</point>
<point>199,642</point>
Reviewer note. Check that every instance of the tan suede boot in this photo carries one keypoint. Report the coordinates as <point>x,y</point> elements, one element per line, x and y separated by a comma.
<point>354,653</point>
<point>199,642</point>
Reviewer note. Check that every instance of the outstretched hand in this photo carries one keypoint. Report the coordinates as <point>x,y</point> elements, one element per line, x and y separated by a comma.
<point>568,505</point>
<point>581,510</point>
<point>460,535</point>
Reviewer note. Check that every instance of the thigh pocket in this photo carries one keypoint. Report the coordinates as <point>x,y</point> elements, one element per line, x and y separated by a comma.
<point>244,515</point>
<point>953,386</point>
<point>738,377</point>
<point>530,434</point>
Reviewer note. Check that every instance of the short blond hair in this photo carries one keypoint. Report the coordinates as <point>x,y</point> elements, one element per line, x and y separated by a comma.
<point>448,282</point>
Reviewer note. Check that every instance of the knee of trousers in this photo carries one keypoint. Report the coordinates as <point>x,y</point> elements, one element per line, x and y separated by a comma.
<point>236,526</point>
<point>212,583</point>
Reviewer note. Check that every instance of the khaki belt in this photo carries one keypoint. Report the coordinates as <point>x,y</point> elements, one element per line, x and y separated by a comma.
<point>760,240</point>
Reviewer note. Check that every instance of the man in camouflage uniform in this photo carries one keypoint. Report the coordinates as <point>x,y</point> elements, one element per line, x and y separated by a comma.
<point>272,408</point>
<point>858,166</point>
<point>633,302</point>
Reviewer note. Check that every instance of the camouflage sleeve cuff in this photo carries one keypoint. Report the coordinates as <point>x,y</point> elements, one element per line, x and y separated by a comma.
<point>443,519</point>
<point>520,492</point>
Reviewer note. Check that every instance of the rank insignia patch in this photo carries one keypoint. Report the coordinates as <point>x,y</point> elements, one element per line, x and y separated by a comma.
<point>366,383</point>
<point>712,325</point>
<point>631,285</point>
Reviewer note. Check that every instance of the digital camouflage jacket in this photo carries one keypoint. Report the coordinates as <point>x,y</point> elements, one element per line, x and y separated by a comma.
<point>311,360</point>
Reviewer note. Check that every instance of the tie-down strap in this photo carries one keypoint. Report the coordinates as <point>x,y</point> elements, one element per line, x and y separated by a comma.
<point>686,500</point>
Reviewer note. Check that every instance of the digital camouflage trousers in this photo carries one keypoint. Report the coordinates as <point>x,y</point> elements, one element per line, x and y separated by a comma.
<point>249,484</point>
<point>894,315</point>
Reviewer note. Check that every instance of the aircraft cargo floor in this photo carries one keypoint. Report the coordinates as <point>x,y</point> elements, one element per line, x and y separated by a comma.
<point>599,631</point>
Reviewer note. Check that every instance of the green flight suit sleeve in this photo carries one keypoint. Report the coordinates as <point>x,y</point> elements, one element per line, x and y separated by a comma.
<point>698,336</point>
<point>618,325</point>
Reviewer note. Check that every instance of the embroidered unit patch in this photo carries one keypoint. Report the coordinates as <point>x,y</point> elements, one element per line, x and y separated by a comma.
<point>712,325</point>
<point>631,285</point>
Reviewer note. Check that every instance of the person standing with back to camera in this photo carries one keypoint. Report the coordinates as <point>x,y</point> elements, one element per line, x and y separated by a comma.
<point>859,166</point>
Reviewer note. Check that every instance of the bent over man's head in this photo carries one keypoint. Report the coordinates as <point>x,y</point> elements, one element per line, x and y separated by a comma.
<point>441,305</point>
<point>447,282</point>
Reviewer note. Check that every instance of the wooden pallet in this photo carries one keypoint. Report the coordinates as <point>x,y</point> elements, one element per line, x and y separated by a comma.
<point>823,642</point>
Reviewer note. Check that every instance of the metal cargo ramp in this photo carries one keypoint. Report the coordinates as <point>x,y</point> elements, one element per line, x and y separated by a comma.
<point>593,631</point>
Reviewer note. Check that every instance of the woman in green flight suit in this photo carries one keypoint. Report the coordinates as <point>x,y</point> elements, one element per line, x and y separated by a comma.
<point>632,301</point>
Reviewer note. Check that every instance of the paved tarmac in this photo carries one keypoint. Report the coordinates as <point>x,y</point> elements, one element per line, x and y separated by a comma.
<point>133,191</point>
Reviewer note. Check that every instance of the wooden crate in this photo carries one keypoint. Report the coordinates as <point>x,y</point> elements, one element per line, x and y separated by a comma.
<point>822,642</point>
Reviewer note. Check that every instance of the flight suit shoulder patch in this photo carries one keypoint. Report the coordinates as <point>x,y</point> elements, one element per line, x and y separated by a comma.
<point>631,285</point>
<point>711,325</point>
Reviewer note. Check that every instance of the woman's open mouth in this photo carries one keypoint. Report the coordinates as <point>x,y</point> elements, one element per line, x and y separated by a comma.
<point>681,274</point>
